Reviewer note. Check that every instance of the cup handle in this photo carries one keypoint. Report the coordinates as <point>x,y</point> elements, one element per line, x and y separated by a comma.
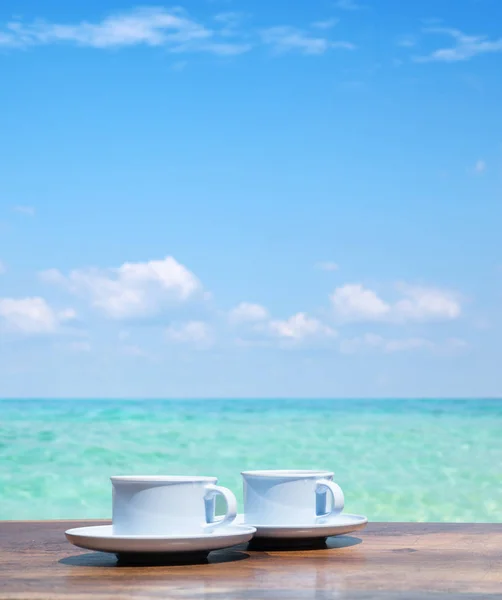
<point>211,491</point>
<point>338,500</point>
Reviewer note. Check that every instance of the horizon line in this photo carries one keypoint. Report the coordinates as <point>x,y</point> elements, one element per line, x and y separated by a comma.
<point>246,398</point>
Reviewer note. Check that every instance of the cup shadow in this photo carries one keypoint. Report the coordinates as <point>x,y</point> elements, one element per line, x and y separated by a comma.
<point>292,545</point>
<point>152,559</point>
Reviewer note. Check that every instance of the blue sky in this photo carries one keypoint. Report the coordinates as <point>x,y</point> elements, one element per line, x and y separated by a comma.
<point>234,198</point>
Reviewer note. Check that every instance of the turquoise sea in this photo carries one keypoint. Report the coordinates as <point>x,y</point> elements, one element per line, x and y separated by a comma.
<point>397,460</point>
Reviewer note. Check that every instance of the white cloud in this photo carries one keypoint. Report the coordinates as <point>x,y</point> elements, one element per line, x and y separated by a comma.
<point>28,211</point>
<point>248,312</point>
<point>193,332</point>
<point>285,39</point>
<point>68,314</point>
<point>299,327</point>
<point>327,24</point>
<point>32,315</point>
<point>133,289</point>
<point>479,167</point>
<point>173,30</point>
<point>149,26</point>
<point>3,268</point>
<point>464,48</point>
<point>230,22</point>
<point>424,304</point>
<point>348,5</point>
<point>230,18</point>
<point>353,302</point>
<point>327,266</point>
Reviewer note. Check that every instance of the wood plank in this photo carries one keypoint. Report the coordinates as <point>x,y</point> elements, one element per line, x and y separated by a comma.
<point>386,560</point>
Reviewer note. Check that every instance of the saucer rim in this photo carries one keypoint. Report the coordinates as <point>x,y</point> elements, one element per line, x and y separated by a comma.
<point>333,522</point>
<point>218,533</point>
<point>99,538</point>
<point>163,479</point>
<point>288,473</point>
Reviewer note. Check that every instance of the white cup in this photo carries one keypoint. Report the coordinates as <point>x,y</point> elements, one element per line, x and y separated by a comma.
<point>290,497</point>
<point>168,505</point>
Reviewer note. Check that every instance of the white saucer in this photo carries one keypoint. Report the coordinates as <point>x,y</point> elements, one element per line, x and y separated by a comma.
<point>101,538</point>
<point>339,525</point>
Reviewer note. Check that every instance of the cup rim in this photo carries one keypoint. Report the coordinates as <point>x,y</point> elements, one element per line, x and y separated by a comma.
<point>162,479</point>
<point>288,473</point>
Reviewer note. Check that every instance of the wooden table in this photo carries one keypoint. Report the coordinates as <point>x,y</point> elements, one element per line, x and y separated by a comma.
<point>405,561</point>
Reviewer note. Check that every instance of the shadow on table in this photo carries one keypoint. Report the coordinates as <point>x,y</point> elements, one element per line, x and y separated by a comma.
<point>105,560</point>
<point>102,559</point>
<point>292,545</point>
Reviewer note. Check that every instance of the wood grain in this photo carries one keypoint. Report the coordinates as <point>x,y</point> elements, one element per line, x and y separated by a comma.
<point>406,561</point>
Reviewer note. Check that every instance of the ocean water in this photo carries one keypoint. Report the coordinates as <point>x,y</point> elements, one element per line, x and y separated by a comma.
<point>397,460</point>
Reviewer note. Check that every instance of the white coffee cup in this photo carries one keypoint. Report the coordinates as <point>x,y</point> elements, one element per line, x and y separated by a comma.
<point>168,505</point>
<point>290,497</point>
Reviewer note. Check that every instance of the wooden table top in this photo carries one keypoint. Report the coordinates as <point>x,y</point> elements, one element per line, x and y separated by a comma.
<point>405,561</point>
